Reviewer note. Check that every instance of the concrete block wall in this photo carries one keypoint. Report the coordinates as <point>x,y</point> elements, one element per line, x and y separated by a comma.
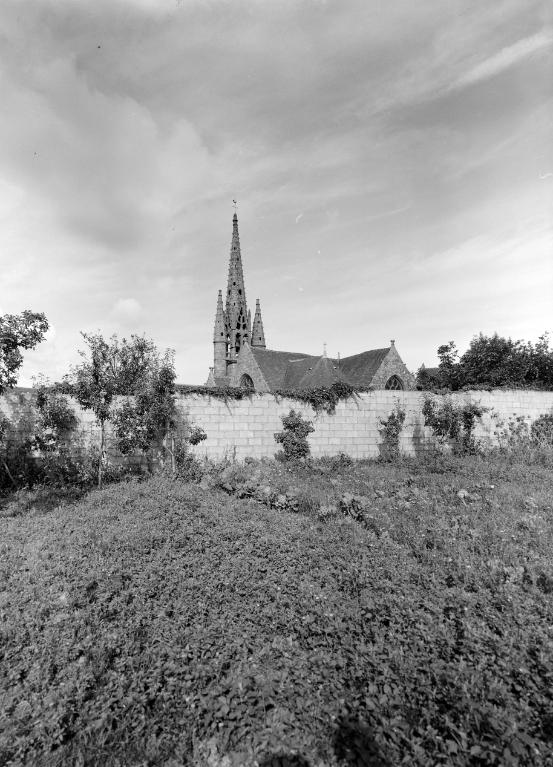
<point>242,428</point>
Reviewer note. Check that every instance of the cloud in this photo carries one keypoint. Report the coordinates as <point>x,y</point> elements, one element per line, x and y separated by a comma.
<point>126,310</point>
<point>505,58</point>
<point>130,125</point>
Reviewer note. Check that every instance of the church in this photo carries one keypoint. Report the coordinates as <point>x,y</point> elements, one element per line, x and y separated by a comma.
<point>241,357</point>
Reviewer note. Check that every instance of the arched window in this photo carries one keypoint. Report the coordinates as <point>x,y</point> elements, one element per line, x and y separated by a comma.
<point>395,383</point>
<point>246,382</point>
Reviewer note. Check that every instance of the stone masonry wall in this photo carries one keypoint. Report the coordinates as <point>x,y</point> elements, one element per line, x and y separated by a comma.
<point>242,428</point>
<point>246,427</point>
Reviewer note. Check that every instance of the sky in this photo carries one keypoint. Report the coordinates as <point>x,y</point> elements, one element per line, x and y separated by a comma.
<point>392,163</point>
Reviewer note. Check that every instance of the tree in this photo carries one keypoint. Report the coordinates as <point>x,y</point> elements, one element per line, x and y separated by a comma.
<point>495,361</point>
<point>448,369</point>
<point>109,368</point>
<point>428,378</point>
<point>151,415</point>
<point>17,332</point>
<point>542,361</point>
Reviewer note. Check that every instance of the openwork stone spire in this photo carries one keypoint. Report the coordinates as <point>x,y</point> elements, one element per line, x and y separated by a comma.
<point>258,336</point>
<point>238,326</point>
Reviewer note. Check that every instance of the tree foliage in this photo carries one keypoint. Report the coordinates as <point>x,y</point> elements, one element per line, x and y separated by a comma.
<point>56,418</point>
<point>147,418</point>
<point>17,332</point>
<point>491,361</point>
<point>109,368</point>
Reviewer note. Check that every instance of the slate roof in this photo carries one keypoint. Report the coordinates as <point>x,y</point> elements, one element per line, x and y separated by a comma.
<point>359,369</point>
<point>274,364</point>
<point>294,370</point>
<point>324,372</point>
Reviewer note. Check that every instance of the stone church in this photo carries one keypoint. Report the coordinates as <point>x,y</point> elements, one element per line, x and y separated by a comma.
<point>241,357</point>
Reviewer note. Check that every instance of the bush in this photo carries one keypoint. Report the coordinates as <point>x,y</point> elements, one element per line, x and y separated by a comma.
<point>293,437</point>
<point>520,442</point>
<point>452,424</point>
<point>391,429</point>
<point>542,430</point>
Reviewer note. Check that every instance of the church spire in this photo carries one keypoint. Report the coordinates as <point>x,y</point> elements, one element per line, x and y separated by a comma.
<point>219,328</point>
<point>258,336</point>
<point>236,307</point>
<point>220,340</point>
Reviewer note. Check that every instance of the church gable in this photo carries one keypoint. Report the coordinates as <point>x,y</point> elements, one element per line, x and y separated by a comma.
<point>392,373</point>
<point>247,373</point>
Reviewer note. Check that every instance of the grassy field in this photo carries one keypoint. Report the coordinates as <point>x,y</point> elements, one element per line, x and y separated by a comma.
<point>347,614</point>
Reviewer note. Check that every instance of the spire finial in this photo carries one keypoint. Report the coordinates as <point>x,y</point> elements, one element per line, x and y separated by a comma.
<point>234,205</point>
<point>324,350</point>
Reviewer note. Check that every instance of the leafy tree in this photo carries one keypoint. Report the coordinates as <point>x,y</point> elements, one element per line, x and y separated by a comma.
<point>17,332</point>
<point>542,361</point>
<point>492,361</point>
<point>495,361</point>
<point>428,378</point>
<point>56,418</point>
<point>109,368</point>
<point>448,369</point>
<point>151,415</point>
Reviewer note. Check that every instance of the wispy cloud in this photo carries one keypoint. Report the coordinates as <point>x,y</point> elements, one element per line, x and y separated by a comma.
<point>130,125</point>
<point>505,58</point>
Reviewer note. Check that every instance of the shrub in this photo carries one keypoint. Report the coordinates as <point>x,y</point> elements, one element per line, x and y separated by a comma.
<point>520,442</point>
<point>453,424</point>
<point>185,465</point>
<point>542,430</point>
<point>293,437</point>
<point>391,429</point>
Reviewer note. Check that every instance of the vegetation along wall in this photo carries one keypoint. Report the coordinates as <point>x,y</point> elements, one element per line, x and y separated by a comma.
<point>246,427</point>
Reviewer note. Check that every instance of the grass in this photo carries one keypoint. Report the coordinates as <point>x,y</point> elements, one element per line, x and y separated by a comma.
<point>167,623</point>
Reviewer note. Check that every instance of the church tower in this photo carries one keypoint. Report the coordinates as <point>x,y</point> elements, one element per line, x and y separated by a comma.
<point>233,323</point>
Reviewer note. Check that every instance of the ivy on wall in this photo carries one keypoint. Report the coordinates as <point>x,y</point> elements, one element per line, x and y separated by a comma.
<point>322,399</point>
